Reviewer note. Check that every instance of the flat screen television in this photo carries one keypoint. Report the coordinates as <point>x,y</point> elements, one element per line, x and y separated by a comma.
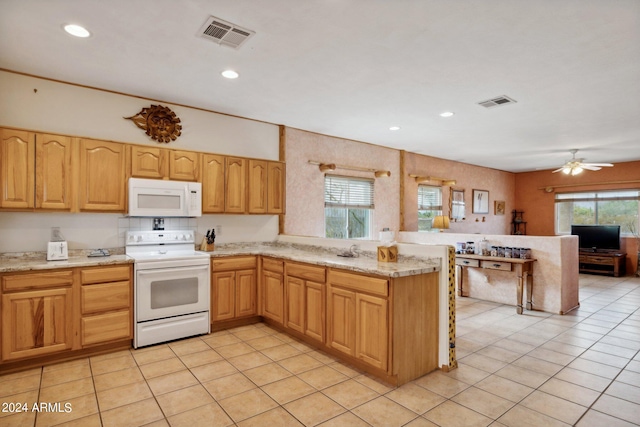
<point>597,237</point>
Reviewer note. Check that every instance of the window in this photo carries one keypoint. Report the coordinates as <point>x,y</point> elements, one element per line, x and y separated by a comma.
<point>603,207</point>
<point>348,207</point>
<point>429,206</point>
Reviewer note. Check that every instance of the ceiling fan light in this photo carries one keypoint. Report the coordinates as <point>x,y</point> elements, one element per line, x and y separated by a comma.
<point>576,170</point>
<point>566,171</point>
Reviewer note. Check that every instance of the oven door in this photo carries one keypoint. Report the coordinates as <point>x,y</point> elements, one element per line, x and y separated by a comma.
<point>166,292</point>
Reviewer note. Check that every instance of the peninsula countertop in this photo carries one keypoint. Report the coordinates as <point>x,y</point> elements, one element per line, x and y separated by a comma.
<point>365,262</point>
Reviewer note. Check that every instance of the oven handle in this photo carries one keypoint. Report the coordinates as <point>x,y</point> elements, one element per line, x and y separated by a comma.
<point>174,270</point>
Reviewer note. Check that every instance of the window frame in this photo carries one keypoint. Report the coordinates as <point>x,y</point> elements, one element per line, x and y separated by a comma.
<point>597,197</point>
<point>358,197</point>
<point>429,208</point>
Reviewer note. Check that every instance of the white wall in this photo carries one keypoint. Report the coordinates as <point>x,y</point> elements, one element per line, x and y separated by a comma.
<point>53,107</point>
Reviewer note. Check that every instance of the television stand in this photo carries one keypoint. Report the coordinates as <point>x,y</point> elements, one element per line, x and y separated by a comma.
<point>611,263</point>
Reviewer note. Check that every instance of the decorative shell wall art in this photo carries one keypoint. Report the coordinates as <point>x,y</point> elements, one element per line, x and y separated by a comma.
<point>159,122</point>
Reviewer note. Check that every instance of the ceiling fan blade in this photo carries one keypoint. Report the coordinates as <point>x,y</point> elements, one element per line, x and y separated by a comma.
<point>608,165</point>
<point>590,167</point>
<point>558,170</point>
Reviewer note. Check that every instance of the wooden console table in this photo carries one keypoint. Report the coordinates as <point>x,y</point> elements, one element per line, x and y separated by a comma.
<point>611,263</point>
<point>523,269</point>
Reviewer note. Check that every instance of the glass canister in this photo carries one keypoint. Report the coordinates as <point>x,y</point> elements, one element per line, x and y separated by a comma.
<point>494,251</point>
<point>485,248</point>
<point>507,252</point>
<point>525,253</point>
<point>501,251</point>
<point>515,252</point>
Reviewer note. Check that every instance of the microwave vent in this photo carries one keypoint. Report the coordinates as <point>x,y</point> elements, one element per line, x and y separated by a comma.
<point>225,33</point>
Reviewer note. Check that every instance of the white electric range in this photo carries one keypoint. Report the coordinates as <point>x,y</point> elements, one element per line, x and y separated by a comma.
<point>171,286</point>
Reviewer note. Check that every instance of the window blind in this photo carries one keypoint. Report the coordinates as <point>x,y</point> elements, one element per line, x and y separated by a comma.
<point>343,192</point>
<point>601,196</point>
<point>429,198</point>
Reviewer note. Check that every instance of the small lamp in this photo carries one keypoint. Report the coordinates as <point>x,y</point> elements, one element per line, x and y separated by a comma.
<point>440,222</point>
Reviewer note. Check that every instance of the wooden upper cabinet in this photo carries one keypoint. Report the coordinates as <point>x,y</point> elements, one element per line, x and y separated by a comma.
<point>53,172</point>
<point>184,165</point>
<point>103,180</point>
<point>275,187</point>
<point>257,186</point>
<point>149,162</point>
<point>213,183</point>
<point>236,184</point>
<point>17,168</point>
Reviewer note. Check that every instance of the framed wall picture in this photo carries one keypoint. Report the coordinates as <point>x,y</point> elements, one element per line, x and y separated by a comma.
<point>480,202</point>
<point>498,207</point>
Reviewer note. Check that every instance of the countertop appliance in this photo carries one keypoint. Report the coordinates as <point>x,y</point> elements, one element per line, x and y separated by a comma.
<point>171,286</point>
<point>164,198</point>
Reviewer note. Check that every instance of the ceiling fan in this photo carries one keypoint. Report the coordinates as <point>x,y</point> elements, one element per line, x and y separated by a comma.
<point>575,166</point>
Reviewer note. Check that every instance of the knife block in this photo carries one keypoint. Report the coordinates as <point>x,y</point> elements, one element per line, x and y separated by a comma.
<point>206,247</point>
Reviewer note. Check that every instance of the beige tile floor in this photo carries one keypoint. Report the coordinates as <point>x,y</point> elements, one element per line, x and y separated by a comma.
<point>536,369</point>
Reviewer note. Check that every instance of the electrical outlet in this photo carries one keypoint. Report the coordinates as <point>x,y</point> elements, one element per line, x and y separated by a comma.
<point>218,230</point>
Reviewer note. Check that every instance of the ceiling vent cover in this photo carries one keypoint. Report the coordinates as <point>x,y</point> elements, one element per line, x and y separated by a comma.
<point>496,102</point>
<point>225,33</point>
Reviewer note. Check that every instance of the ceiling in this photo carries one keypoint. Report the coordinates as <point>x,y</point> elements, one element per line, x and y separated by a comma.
<point>353,68</point>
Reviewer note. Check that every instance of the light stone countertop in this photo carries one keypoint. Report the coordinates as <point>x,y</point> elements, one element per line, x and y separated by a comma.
<point>366,262</point>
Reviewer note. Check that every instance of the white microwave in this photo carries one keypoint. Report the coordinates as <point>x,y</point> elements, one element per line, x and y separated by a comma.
<point>162,198</point>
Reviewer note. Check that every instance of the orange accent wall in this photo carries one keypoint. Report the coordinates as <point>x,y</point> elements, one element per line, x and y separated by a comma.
<point>539,205</point>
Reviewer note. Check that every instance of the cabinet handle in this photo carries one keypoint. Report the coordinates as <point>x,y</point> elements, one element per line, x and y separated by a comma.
<point>466,262</point>
<point>497,265</point>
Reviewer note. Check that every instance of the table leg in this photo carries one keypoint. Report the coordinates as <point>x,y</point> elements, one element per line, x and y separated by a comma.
<point>528,278</point>
<point>459,272</point>
<point>520,286</point>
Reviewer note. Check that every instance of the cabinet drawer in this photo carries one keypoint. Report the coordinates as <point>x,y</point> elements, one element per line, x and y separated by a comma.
<point>45,279</point>
<point>468,262</point>
<point>106,327</point>
<point>590,259</point>
<point>272,265</point>
<point>307,272</point>
<point>357,282</point>
<point>239,263</point>
<point>496,265</point>
<point>105,274</point>
<point>106,297</point>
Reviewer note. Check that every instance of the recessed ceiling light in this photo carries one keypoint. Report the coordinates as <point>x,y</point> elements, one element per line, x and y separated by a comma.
<point>77,30</point>
<point>230,74</point>
<point>447,114</point>
<point>394,128</point>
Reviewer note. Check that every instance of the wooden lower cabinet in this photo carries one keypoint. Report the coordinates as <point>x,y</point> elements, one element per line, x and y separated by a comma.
<point>36,322</point>
<point>106,304</point>
<point>272,290</point>
<point>54,313</point>
<point>341,317</point>
<point>371,330</point>
<point>305,299</point>
<point>233,288</point>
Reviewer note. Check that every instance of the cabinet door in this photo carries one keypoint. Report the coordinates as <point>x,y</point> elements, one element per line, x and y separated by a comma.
<point>257,186</point>
<point>16,168</point>
<point>223,295</point>
<point>236,184</point>
<point>184,165</point>
<point>315,310</point>
<point>246,293</point>
<point>294,304</point>
<point>149,162</point>
<point>106,327</point>
<point>213,184</point>
<point>275,188</point>
<point>102,184</point>
<point>371,330</point>
<point>53,172</point>
<point>342,320</point>
<point>273,296</point>
<point>36,323</point>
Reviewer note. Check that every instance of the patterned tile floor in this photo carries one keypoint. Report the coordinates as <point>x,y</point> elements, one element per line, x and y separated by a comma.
<point>537,369</point>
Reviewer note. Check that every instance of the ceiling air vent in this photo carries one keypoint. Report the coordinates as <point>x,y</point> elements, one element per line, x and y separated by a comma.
<point>225,33</point>
<point>495,102</point>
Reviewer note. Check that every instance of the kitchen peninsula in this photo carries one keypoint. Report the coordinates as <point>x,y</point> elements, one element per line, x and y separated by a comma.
<point>356,309</point>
